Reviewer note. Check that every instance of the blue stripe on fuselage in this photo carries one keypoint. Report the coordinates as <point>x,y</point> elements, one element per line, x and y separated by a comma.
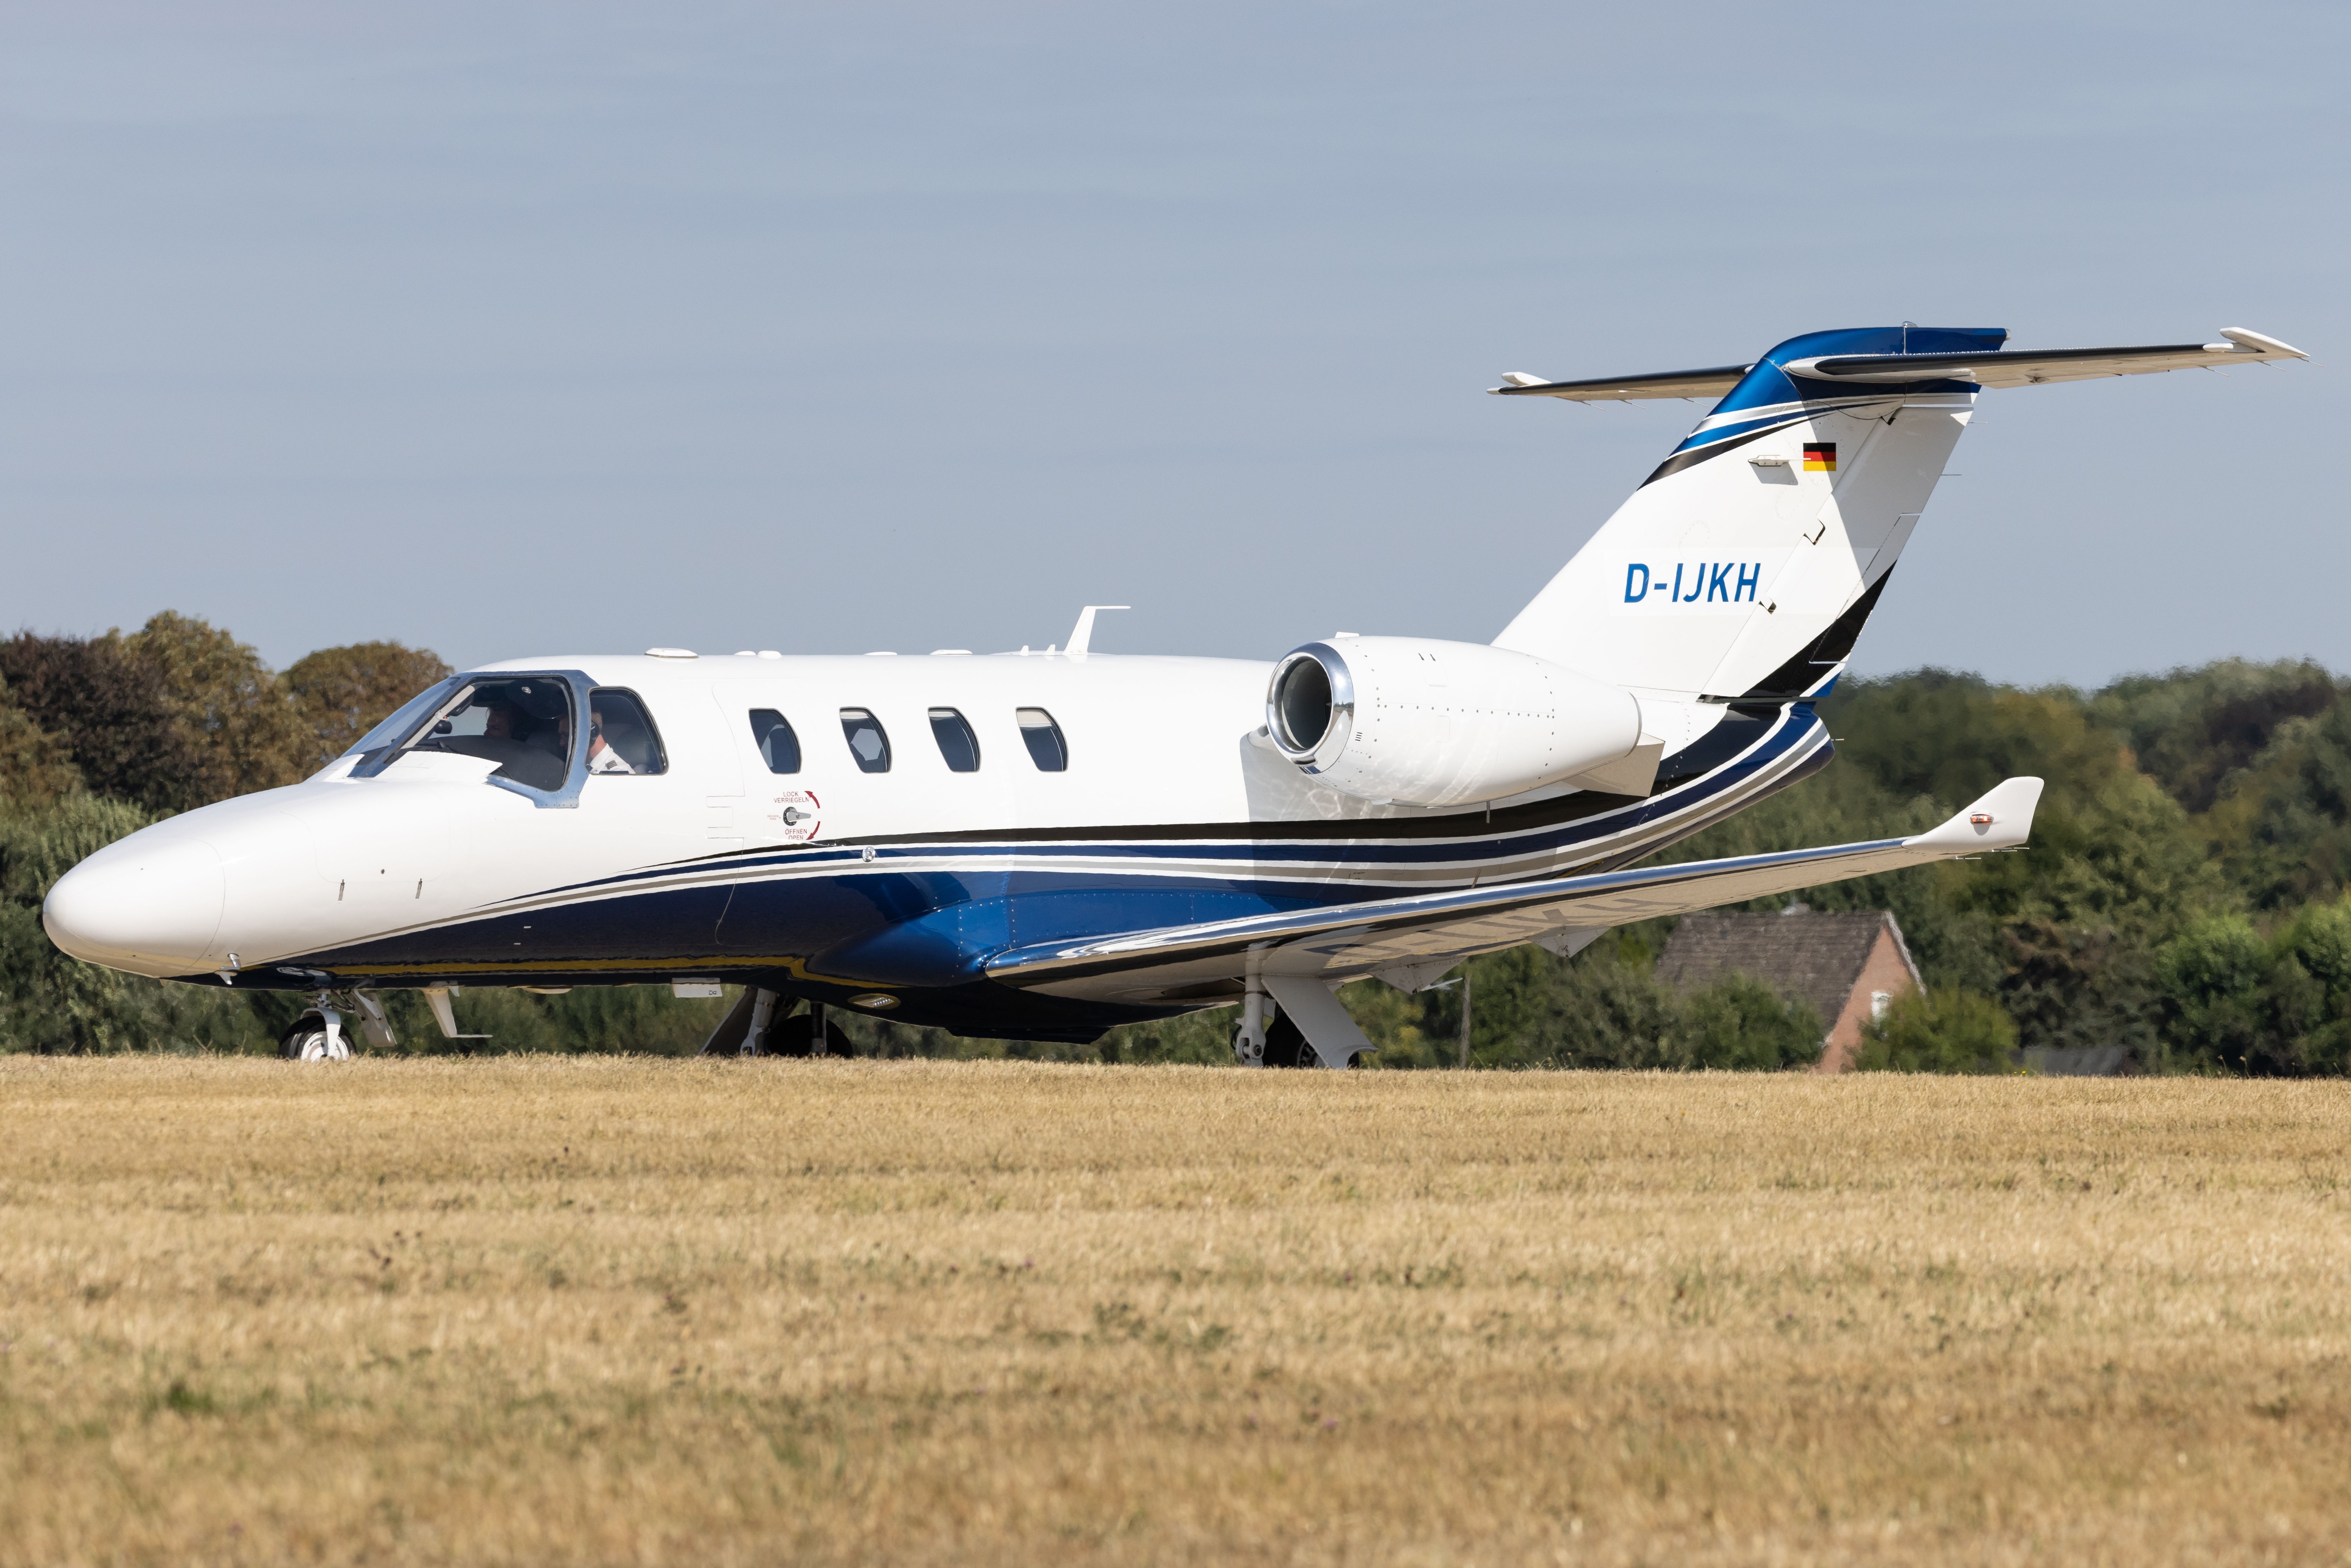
<point>833,913</point>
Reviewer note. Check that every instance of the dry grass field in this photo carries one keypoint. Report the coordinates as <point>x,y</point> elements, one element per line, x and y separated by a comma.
<point>603,1310</point>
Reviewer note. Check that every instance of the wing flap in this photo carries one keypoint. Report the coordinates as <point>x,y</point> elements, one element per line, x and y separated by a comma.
<point>1345,942</point>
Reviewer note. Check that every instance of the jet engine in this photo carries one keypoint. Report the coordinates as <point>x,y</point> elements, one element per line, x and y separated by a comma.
<point>1416,721</point>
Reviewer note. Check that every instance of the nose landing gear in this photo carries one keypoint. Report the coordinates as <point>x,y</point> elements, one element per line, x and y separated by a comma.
<point>316,1036</point>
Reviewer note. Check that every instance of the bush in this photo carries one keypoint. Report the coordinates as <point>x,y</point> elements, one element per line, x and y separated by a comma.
<point>50,1002</point>
<point>1741,1024</point>
<point>2282,1006</point>
<point>1938,1031</point>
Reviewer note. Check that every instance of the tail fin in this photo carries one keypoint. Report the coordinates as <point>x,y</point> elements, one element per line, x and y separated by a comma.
<point>1747,563</point>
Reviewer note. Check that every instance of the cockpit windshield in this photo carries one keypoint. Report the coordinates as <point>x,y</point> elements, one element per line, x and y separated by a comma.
<point>523,723</point>
<point>404,718</point>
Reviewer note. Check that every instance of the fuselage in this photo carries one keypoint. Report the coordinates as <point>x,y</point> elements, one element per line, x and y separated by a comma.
<point>1170,806</point>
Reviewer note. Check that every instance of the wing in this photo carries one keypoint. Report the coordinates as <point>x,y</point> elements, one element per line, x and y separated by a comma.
<point>1204,963</point>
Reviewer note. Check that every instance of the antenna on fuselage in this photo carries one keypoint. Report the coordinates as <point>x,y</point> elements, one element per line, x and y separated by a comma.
<point>1084,631</point>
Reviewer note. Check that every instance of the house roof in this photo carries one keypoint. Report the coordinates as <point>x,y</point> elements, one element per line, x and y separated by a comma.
<point>1811,955</point>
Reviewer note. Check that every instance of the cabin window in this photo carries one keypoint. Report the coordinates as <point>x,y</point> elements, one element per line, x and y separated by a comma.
<point>621,735</point>
<point>771,732</point>
<point>868,742</point>
<point>957,744</point>
<point>523,725</point>
<point>1044,739</point>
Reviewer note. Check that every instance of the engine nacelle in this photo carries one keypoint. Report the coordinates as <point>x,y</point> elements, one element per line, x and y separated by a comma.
<point>1425,723</point>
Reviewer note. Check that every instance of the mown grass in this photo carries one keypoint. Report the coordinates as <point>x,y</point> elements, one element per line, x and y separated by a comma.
<point>591,1310</point>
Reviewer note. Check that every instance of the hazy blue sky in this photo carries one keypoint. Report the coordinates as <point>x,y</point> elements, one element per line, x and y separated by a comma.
<point>511,328</point>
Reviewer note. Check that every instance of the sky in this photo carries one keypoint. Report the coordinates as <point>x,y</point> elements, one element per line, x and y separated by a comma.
<point>508,329</point>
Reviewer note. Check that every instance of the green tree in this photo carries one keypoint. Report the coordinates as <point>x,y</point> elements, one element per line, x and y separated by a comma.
<point>2213,975</point>
<point>235,722</point>
<point>341,693</point>
<point>2283,826</point>
<point>50,1002</point>
<point>1530,1008</point>
<point>36,766</point>
<point>1741,1023</point>
<point>1938,1031</point>
<point>2072,987</point>
<point>2192,730</point>
<point>2275,1007</point>
<point>107,709</point>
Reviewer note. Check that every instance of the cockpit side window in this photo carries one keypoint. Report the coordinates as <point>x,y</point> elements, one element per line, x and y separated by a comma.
<point>620,735</point>
<point>771,732</point>
<point>868,741</point>
<point>523,723</point>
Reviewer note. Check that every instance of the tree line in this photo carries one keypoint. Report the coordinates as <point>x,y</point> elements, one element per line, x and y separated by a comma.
<point>2183,896</point>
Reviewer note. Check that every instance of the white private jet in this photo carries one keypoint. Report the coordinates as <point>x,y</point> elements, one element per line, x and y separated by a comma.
<point>1040,845</point>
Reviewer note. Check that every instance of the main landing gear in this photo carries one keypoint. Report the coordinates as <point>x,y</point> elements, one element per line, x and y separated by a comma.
<point>752,1029</point>
<point>1281,1031</point>
<point>1285,1045</point>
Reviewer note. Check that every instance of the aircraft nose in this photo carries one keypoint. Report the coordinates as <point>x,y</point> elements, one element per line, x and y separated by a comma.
<point>159,901</point>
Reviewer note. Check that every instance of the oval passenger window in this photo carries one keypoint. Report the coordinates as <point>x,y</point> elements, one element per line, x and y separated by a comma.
<point>957,744</point>
<point>867,740</point>
<point>1044,739</point>
<point>772,733</point>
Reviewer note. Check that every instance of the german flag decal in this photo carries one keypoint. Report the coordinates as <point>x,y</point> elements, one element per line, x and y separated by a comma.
<point>1820,456</point>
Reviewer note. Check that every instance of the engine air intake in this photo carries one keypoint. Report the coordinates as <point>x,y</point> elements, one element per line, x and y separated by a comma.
<point>1302,704</point>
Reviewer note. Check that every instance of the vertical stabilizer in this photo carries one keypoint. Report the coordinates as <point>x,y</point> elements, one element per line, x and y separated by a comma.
<point>1745,565</point>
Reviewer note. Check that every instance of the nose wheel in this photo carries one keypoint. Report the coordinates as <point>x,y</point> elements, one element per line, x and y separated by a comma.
<point>317,1036</point>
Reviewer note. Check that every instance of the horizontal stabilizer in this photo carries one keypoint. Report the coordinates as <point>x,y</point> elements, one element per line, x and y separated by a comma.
<point>2033,367</point>
<point>1343,942</point>
<point>1624,389</point>
<point>1993,368</point>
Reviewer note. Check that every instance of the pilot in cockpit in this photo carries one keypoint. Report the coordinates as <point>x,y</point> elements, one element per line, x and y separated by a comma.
<point>602,757</point>
<point>502,720</point>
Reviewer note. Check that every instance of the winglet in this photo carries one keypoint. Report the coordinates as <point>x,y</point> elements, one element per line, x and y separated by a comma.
<point>2245,338</point>
<point>2001,820</point>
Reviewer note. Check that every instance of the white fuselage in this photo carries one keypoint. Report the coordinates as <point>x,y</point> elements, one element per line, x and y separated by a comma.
<point>1173,798</point>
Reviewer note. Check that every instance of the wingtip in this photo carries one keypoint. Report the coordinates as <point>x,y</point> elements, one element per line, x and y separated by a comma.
<point>2261,342</point>
<point>2000,819</point>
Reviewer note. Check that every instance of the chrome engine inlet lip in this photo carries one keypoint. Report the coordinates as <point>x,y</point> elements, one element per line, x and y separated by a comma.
<point>1326,746</point>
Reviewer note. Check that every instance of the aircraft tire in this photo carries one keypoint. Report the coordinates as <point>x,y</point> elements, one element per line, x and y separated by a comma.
<point>1285,1045</point>
<point>307,1041</point>
<point>795,1036</point>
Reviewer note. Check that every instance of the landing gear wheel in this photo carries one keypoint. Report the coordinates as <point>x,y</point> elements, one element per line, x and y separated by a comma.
<point>795,1036</point>
<point>309,1041</point>
<point>1285,1045</point>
